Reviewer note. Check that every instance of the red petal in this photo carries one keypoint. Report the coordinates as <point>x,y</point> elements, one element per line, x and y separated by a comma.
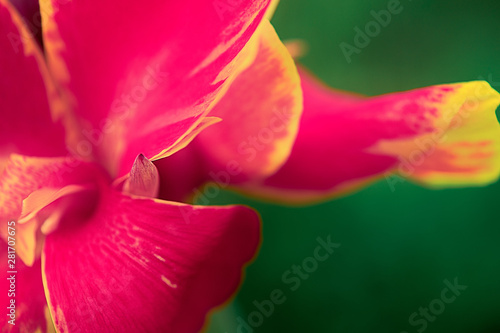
<point>260,114</point>
<point>144,265</point>
<point>24,175</point>
<point>136,70</point>
<point>26,125</point>
<point>31,311</point>
<point>255,137</point>
<point>345,141</point>
<point>165,141</point>
<point>28,185</point>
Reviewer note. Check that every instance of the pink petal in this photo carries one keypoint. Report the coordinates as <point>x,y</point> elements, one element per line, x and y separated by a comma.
<point>165,141</point>
<point>144,265</point>
<point>24,175</point>
<point>29,185</point>
<point>260,115</point>
<point>26,124</point>
<point>137,70</point>
<point>31,311</point>
<point>346,141</point>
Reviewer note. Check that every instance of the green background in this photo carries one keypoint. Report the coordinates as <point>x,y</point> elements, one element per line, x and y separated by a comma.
<point>397,247</point>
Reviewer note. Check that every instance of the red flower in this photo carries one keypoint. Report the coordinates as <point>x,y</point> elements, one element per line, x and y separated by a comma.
<point>96,250</point>
<point>113,118</point>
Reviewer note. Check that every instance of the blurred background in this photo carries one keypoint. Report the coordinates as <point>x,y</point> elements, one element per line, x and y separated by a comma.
<point>397,248</point>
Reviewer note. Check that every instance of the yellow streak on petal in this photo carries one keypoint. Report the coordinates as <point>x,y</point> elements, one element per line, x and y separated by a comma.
<point>159,257</point>
<point>54,44</point>
<point>62,102</point>
<point>50,324</point>
<point>56,314</point>
<point>188,136</point>
<point>27,241</point>
<point>31,230</point>
<point>168,282</point>
<point>40,199</point>
<point>223,47</point>
<point>30,46</point>
<point>61,319</point>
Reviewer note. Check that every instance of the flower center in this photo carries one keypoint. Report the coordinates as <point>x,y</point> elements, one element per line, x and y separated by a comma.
<point>44,210</point>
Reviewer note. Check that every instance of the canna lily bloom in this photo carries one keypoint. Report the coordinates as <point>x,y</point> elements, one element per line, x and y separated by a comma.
<point>88,245</point>
<point>134,95</point>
